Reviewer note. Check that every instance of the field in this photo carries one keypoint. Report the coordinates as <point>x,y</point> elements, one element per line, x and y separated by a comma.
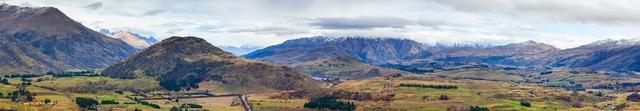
<point>491,89</point>
<point>495,95</point>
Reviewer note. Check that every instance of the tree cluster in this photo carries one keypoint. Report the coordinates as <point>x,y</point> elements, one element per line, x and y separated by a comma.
<point>190,105</point>
<point>109,101</point>
<point>187,83</point>
<point>330,103</point>
<point>429,86</point>
<point>73,73</point>
<point>147,103</point>
<point>478,108</point>
<point>635,97</point>
<point>21,95</point>
<point>86,102</point>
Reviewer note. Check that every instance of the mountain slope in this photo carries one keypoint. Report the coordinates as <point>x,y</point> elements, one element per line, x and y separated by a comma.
<point>185,58</point>
<point>45,39</point>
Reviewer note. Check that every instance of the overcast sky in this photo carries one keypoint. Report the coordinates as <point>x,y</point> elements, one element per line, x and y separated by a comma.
<point>562,23</point>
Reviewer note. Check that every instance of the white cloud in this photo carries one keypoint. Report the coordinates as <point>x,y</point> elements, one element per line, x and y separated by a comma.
<point>268,22</point>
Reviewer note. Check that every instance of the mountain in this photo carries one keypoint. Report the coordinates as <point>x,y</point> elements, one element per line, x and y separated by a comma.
<point>346,57</point>
<point>366,50</point>
<point>183,60</point>
<point>44,39</point>
<point>133,39</point>
<point>497,55</point>
<point>244,49</point>
<point>522,48</point>
<point>609,55</point>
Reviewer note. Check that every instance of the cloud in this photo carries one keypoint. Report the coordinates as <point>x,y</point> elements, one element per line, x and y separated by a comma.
<point>361,22</point>
<point>25,4</point>
<point>207,28</point>
<point>565,23</point>
<point>277,30</point>
<point>154,12</point>
<point>94,6</point>
<point>619,12</point>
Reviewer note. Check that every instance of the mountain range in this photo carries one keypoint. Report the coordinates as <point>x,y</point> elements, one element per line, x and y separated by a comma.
<point>44,39</point>
<point>35,40</point>
<point>606,55</point>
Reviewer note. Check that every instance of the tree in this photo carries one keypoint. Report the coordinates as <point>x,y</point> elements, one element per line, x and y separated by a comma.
<point>443,97</point>
<point>47,101</point>
<point>174,108</point>
<point>4,81</point>
<point>525,103</point>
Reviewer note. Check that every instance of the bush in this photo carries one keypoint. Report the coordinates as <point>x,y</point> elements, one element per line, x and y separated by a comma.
<point>86,102</point>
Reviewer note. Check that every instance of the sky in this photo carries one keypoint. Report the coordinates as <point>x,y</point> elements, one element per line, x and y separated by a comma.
<point>562,23</point>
